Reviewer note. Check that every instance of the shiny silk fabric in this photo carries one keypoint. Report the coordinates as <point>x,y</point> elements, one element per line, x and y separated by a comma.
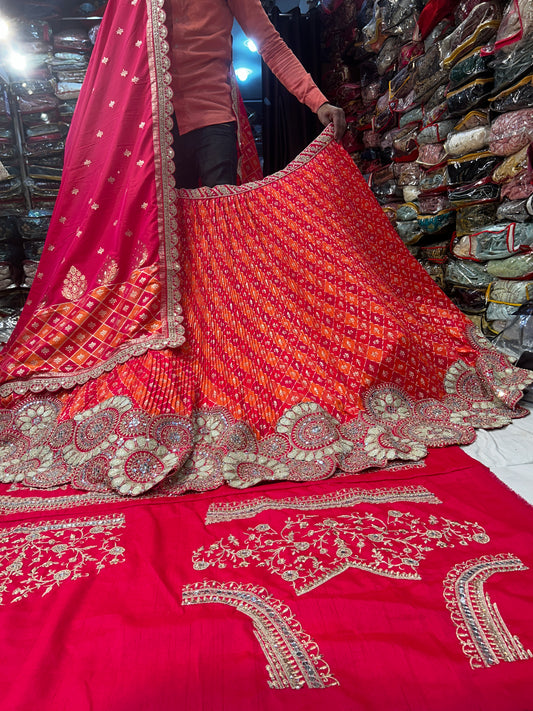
<point>303,341</point>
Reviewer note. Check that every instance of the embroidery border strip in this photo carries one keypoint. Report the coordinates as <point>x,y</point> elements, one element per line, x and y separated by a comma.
<point>221,512</point>
<point>483,634</point>
<point>294,659</point>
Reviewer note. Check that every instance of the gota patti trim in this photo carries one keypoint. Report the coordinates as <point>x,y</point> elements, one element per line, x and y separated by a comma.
<point>220,512</point>
<point>318,145</point>
<point>483,634</point>
<point>39,557</point>
<point>294,660</point>
<point>162,110</point>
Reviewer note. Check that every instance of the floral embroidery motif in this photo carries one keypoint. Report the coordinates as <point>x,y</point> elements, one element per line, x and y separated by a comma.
<point>109,271</point>
<point>74,285</point>
<point>220,512</point>
<point>294,659</point>
<point>483,634</point>
<point>39,557</point>
<point>312,432</point>
<point>310,549</point>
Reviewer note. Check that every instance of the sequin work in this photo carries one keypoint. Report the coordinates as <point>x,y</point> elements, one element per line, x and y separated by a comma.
<point>294,659</point>
<point>483,634</point>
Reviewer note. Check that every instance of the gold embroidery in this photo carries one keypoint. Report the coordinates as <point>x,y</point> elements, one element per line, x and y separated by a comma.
<point>294,659</point>
<point>75,285</point>
<point>108,272</point>
<point>480,628</point>
<point>219,512</point>
<point>39,557</point>
<point>309,550</point>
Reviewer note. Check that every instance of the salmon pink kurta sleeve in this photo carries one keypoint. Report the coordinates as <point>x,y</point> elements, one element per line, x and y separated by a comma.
<point>200,42</point>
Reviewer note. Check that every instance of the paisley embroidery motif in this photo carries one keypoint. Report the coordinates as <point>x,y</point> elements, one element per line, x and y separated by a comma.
<point>309,550</point>
<point>480,628</point>
<point>294,659</point>
<point>39,557</point>
<point>74,285</point>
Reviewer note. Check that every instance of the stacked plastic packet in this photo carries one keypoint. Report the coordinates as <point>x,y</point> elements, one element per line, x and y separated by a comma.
<point>36,107</point>
<point>493,255</point>
<point>442,132</point>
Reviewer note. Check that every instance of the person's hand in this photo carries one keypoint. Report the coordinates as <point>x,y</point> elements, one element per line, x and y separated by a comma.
<point>333,114</point>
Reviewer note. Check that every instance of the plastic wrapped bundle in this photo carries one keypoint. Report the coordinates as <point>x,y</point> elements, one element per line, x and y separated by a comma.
<point>515,210</point>
<point>405,146</point>
<point>471,167</point>
<point>504,297</point>
<point>388,55</point>
<point>519,187</point>
<point>433,224</point>
<point>517,336</point>
<point>435,132</point>
<point>467,273</point>
<point>407,211</point>
<point>470,299</point>
<point>516,24</point>
<point>431,155</point>
<point>509,67</point>
<point>480,191</point>
<point>459,143</point>
<point>518,96</point>
<point>434,181</point>
<point>473,66</point>
<point>511,131</point>
<point>74,39</point>
<point>407,173</point>
<point>473,119</point>
<point>480,24</point>
<point>512,166</point>
<point>432,204</point>
<point>472,218</point>
<point>495,242</point>
<point>435,271</point>
<point>469,96</point>
<point>409,231</point>
<point>413,116</point>
<point>436,252</point>
<point>518,267</point>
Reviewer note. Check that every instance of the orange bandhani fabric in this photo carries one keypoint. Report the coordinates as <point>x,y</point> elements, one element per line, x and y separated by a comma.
<point>305,340</point>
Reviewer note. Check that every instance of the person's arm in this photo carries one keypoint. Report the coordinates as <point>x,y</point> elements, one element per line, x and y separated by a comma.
<point>280,59</point>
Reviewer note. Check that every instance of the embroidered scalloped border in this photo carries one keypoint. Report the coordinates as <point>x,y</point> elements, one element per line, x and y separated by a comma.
<point>294,659</point>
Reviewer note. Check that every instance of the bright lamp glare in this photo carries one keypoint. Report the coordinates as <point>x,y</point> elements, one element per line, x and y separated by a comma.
<point>17,61</point>
<point>251,45</point>
<point>4,29</point>
<point>242,73</point>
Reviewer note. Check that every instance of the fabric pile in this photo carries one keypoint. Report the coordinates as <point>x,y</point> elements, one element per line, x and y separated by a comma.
<point>441,115</point>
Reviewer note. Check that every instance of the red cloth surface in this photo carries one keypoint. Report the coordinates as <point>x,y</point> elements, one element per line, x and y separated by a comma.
<point>118,636</point>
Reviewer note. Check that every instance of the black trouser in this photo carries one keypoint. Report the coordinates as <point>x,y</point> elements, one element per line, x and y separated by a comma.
<point>206,156</point>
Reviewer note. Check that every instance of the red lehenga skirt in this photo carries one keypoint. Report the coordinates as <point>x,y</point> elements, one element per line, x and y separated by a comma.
<point>276,330</point>
<point>315,345</point>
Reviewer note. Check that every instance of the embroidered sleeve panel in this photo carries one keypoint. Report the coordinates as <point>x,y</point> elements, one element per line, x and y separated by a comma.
<point>483,634</point>
<point>294,659</point>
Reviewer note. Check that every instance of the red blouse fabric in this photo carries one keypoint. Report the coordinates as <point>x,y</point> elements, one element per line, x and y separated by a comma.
<point>200,49</point>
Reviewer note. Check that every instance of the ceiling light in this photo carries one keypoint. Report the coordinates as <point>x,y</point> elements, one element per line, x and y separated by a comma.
<point>251,45</point>
<point>242,73</point>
